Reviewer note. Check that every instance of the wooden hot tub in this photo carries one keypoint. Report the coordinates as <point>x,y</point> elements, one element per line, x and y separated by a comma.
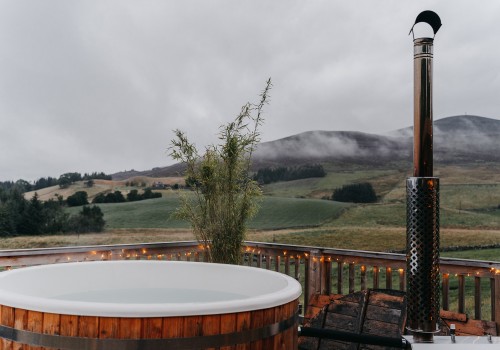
<point>147,305</point>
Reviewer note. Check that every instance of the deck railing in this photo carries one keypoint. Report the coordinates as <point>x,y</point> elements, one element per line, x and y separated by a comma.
<point>468,285</point>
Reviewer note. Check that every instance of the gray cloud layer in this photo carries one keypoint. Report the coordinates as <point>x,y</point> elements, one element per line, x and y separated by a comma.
<point>98,85</point>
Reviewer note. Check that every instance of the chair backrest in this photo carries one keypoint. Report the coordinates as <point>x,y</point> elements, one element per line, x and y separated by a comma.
<point>374,311</point>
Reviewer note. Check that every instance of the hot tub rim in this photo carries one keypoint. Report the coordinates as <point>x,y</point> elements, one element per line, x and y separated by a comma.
<point>291,292</point>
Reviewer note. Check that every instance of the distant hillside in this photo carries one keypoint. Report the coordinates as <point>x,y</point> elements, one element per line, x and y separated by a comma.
<point>103,186</point>
<point>463,139</point>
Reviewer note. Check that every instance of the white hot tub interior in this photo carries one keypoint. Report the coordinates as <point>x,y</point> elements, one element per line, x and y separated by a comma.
<point>145,288</point>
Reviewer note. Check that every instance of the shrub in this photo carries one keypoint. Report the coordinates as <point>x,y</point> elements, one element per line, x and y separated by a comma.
<point>77,199</point>
<point>224,194</point>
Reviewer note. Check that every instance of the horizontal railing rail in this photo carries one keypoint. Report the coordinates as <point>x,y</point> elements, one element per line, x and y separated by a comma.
<point>320,270</point>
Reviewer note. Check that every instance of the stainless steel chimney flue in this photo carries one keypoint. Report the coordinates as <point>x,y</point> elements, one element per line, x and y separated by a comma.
<point>422,199</point>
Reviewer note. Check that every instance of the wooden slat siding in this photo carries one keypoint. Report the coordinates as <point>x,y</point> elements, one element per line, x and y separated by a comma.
<point>20,322</point>
<point>129,327</point>
<point>295,331</point>
<point>257,321</point>
<point>287,265</point>
<point>242,324</point>
<point>461,293</point>
<point>172,327</point>
<point>88,326</point>
<point>277,263</point>
<point>269,317</point>
<point>108,327</point>
<point>211,326</point>
<point>477,298</point>
<point>363,277</point>
<point>152,327</point>
<point>192,326</point>
<point>279,315</point>
<point>445,291</point>
<point>51,323</point>
<point>228,325</point>
<point>351,277</point>
<point>7,318</point>
<point>288,335</point>
<point>340,269</point>
<point>375,277</point>
<point>35,324</point>
<point>402,280</point>
<point>388,278</point>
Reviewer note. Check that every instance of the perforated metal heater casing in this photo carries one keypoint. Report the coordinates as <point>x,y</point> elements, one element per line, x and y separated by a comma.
<point>422,256</point>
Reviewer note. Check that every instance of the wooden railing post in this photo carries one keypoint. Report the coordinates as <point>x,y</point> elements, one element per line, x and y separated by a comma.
<point>388,277</point>
<point>326,276</point>
<point>445,291</point>
<point>375,276</point>
<point>402,279</point>
<point>313,276</point>
<point>495,303</point>
<point>363,277</point>
<point>461,294</point>
<point>477,297</point>
<point>340,278</point>
<point>351,277</point>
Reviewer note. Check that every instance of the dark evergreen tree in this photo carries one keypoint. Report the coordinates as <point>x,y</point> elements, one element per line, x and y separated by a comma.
<point>32,219</point>
<point>90,219</point>
<point>355,193</point>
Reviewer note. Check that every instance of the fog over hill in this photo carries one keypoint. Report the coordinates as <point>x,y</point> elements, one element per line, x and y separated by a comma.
<point>463,139</point>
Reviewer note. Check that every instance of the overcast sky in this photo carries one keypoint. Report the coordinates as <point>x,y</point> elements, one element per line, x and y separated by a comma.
<point>100,85</point>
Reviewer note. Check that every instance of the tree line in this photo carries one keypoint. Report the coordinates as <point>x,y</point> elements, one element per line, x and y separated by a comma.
<point>81,197</point>
<point>269,175</point>
<point>65,180</point>
<point>19,216</point>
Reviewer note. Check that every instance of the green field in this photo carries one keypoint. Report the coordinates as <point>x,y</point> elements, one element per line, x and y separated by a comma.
<point>275,213</point>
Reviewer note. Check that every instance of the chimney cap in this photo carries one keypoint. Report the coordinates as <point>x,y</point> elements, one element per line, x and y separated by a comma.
<point>429,17</point>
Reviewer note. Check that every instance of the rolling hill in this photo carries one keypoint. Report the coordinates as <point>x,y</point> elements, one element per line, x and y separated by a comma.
<point>463,139</point>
